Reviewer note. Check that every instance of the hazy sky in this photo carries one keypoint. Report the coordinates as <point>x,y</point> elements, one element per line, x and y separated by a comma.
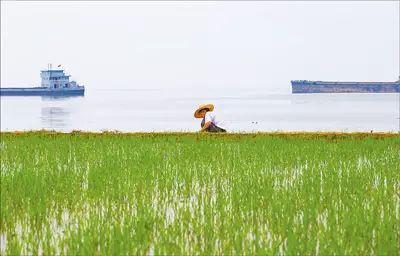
<point>200,44</point>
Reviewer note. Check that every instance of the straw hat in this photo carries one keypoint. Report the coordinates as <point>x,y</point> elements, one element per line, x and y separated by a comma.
<point>210,107</point>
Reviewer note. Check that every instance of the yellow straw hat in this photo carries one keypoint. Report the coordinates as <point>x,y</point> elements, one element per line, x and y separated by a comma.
<point>210,107</point>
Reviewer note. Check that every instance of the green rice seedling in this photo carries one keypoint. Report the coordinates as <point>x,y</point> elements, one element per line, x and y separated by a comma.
<point>190,193</point>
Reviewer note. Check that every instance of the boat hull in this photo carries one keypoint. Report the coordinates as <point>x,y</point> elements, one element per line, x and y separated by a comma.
<point>38,91</point>
<point>344,87</point>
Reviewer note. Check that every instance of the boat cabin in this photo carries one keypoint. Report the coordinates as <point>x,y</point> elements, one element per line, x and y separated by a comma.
<point>56,79</point>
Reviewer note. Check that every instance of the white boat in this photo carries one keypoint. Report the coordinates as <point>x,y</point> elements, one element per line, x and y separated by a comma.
<point>54,82</point>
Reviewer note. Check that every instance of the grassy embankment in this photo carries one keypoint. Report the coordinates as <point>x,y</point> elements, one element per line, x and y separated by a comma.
<point>85,193</point>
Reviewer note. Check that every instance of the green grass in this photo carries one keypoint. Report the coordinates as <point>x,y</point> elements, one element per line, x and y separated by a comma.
<point>112,193</point>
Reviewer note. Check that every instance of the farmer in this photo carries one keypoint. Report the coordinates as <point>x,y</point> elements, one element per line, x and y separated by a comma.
<point>210,122</point>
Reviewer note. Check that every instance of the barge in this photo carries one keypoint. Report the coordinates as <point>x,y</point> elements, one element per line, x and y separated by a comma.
<point>54,83</point>
<point>305,86</point>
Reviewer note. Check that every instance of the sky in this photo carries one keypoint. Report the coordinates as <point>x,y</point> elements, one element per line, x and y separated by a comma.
<point>200,44</point>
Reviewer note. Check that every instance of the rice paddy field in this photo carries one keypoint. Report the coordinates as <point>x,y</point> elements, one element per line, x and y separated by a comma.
<point>187,193</point>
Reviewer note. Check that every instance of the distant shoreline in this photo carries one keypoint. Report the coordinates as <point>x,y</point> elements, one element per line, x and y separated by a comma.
<point>303,134</point>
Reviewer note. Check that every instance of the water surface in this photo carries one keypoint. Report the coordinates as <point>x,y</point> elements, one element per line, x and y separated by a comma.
<point>172,110</point>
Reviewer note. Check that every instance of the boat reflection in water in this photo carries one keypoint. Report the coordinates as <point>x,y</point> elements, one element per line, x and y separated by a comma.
<point>60,97</point>
<point>56,116</point>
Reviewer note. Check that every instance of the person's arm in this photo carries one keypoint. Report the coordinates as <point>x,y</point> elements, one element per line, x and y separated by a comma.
<point>205,127</point>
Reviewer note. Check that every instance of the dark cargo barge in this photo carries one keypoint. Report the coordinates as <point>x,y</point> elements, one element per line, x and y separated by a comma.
<point>305,86</point>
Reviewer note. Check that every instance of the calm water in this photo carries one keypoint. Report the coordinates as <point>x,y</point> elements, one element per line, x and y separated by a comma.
<point>172,110</point>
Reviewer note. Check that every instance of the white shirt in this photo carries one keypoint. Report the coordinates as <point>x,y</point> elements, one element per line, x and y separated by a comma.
<point>212,117</point>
